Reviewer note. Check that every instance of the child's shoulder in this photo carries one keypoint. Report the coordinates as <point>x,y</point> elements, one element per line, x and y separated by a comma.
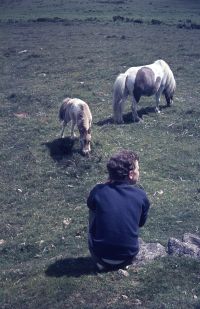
<point>139,186</point>
<point>98,186</point>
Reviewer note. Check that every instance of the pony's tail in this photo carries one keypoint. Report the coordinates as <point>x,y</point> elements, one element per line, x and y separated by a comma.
<point>119,93</point>
<point>62,111</point>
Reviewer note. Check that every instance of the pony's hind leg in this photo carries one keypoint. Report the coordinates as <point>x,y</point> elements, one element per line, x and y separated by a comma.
<point>136,118</point>
<point>72,129</point>
<point>117,111</point>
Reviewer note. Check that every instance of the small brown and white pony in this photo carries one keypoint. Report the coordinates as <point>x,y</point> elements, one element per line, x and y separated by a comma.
<point>78,112</point>
<point>152,79</point>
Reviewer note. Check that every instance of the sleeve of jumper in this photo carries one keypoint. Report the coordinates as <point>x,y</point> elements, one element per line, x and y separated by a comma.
<point>91,199</point>
<point>145,209</point>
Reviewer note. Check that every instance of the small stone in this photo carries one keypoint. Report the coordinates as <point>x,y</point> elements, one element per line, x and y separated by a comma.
<point>23,51</point>
<point>123,272</point>
<point>160,192</point>
<point>137,302</point>
<point>66,222</point>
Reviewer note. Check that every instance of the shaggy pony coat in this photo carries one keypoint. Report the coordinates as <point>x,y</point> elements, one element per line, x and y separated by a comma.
<point>78,112</point>
<point>152,79</point>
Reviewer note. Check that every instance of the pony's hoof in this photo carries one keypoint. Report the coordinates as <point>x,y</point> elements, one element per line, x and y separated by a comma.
<point>137,119</point>
<point>170,103</point>
<point>85,153</point>
<point>157,110</point>
<point>119,121</point>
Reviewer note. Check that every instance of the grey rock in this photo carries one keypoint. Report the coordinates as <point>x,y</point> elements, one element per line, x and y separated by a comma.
<point>189,246</point>
<point>149,252</point>
<point>192,239</point>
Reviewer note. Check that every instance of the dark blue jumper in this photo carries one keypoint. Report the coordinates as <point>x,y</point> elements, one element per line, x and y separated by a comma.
<point>117,210</point>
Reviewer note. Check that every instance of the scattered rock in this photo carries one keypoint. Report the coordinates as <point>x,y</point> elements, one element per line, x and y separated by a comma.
<point>192,239</point>
<point>66,222</point>
<point>189,246</point>
<point>160,192</point>
<point>2,241</point>
<point>137,302</point>
<point>123,272</point>
<point>23,51</point>
<point>21,115</point>
<point>149,252</point>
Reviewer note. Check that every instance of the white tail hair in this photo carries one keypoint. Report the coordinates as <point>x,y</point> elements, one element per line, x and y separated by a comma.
<point>119,95</point>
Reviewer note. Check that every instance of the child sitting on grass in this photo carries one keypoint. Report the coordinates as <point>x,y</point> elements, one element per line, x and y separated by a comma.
<point>116,211</point>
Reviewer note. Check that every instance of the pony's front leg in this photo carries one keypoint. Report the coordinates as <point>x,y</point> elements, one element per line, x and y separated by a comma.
<point>158,95</point>
<point>157,110</point>
<point>136,118</point>
<point>63,129</point>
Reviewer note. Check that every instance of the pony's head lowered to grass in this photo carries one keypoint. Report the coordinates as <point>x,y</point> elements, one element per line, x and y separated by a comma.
<point>79,113</point>
<point>85,136</point>
<point>152,79</point>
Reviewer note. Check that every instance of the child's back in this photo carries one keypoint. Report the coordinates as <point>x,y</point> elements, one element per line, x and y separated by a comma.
<point>117,209</point>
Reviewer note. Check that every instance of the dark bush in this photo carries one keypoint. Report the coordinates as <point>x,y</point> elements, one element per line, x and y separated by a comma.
<point>188,25</point>
<point>156,22</point>
<point>138,21</point>
<point>118,18</point>
<point>195,26</point>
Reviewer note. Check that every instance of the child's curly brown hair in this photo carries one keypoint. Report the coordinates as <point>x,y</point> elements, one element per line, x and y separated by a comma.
<point>121,164</point>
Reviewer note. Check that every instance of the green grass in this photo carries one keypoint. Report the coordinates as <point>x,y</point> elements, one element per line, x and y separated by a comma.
<point>44,262</point>
<point>171,11</point>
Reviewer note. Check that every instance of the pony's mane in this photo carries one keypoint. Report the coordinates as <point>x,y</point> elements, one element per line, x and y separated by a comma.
<point>170,84</point>
<point>84,117</point>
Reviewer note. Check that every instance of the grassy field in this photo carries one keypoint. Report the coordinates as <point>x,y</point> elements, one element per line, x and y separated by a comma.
<point>53,49</point>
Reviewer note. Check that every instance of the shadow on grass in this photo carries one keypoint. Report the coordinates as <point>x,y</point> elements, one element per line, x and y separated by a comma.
<point>60,147</point>
<point>71,267</point>
<point>103,122</point>
<point>128,116</point>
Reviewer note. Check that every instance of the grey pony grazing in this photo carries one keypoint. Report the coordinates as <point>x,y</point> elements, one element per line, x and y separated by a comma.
<point>152,79</point>
<point>145,83</point>
<point>79,113</point>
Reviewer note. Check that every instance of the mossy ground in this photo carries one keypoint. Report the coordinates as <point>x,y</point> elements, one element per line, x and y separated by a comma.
<point>45,181</point>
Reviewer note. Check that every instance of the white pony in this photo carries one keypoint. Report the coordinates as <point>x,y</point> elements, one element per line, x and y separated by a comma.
<point>78,112</point>
<point>152,79</point>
